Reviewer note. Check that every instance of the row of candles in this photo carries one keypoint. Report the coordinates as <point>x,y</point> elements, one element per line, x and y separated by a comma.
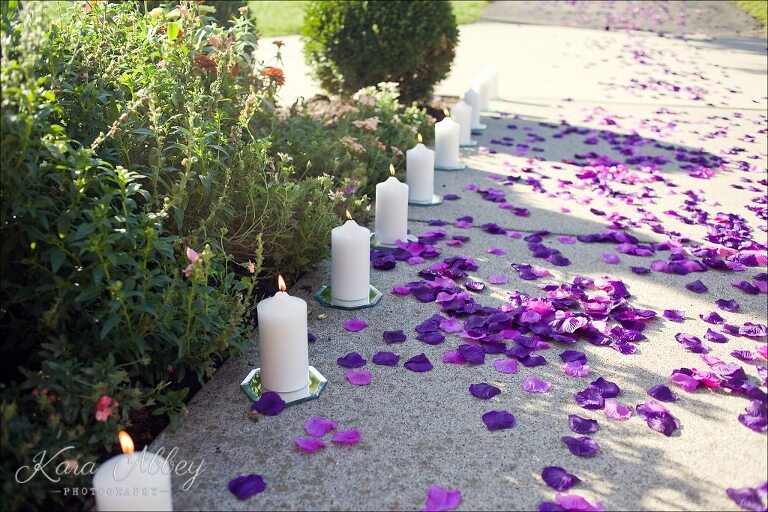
<point>282,318</point>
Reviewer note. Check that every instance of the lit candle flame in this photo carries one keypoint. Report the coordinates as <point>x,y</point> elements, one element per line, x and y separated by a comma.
<point>126,443</point>
<point>418,136</point>
<point>349,215</point>
<point>446,112</point>
<point>281,283</point>
<point>391,170</point>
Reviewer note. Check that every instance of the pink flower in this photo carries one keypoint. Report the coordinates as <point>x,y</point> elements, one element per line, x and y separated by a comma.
<point>214,41</point>
<point>251,267</point>
<point>192,256</point>
<point>104,407</point>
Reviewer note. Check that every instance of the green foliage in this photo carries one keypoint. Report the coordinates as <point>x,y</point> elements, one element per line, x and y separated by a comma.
<point>758,9</point>
<point>130,138</point>
<point>355,44</point>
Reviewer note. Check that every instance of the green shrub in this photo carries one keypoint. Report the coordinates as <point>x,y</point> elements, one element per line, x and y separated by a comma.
<point>356,139</point>
<point>355,44</point>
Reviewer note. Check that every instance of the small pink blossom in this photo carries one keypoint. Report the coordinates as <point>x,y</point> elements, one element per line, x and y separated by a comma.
<point>192,256</point>
<point>104,407</point>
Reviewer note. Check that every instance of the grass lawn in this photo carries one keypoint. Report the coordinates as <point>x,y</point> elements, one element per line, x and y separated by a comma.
<point>755,8</point>
<point>281,18</point>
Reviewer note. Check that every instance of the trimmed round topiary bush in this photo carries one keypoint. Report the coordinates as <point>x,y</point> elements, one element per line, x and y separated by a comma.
<point>355,44</point>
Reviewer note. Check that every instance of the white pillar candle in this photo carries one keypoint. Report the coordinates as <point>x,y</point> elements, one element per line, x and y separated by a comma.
<point>391,210</point>
<point>472,98</point>
<point>462,114</point>
<point>481,85</point>
<point>350,262</point>
<point>283,342</point>
<point>420,172</point>
<point>447,143</point>
<point>133,481</point>
<point>492,75</point>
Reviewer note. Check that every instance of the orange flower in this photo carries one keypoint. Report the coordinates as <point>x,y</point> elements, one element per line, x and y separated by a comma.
<point>279,44</point>
<point>273,75</point>
<point>205,63</point>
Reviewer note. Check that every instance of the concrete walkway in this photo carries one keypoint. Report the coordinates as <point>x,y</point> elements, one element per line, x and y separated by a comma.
<point>422,429</point>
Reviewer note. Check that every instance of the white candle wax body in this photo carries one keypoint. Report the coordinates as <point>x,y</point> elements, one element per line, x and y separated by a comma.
<point>350,262</point>
<point>283,343</point>
<point>447,143</point>
<point>472,98</point>
<point>420,172</point>
<point>482,86</point>
<point>135,481</point>
<point>462,114</point>
<point>492,75</point>
<point>391,211</point>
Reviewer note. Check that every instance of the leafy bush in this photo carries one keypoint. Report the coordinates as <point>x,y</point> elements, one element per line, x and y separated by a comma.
<point>356,139</point>
<point>355,44</point>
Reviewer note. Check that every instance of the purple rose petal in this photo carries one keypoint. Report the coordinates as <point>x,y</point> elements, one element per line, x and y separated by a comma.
<point>394,337</point>
<point>755,416</point>
<point>245,486</point>
<point>715,337</point>
<point>386,359</point>
<point>662,393</point>
<point>607,388</point>
<point>712,318</point>
<point>576,369</point>
<point>474,286</point>
<point>308,444</point>
<point>674,315</point>
<point>351,436</point>
<point>573,502</point>
<point>582,446</point>
<point>581,425</point>
<point>590,398</point>
<point>505,365</point>
<point>471,353</point>
<point>617,411</point>
<point>269,404</point>
<point>354,324</point>
<point>317,426</point>
<point>498,420</point>
<point>440,499</point>
<point>748,498</point>
<point>498,251</point>
<point>419,363</point>
<point>533,384</point>
<point>483,390</point>
<point>658,417</point>
<point>610,258</point>
<point>558,478</point>
<point>697,286</point>
<point>359,377</point>
<point>497,279</point>
<point>729,305</point>
<point>351,360</point>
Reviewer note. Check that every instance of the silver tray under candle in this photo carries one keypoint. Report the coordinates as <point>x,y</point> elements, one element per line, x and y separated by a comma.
<point>325,297</point>
<point>436,199</point>
<point>470,144</point>
<point>379,245</point>
<point>251,385</point>
<point>459,167</point>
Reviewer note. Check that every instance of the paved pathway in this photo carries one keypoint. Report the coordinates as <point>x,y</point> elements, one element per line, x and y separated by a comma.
<point>559,87</point>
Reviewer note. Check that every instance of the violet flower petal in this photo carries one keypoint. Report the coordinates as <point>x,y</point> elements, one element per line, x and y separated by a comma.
<point>558,478</point>
<point>308,444</point>
<point>359,377</point>
<point>674,315</point>
<point>385,359</point>
<point>245,486</point>
<point>582,446</point>
<point>419,363</point>
<point>483,390</point>
<point>440,499</point>
<point>617,411</point>
<point>533,384</point>
<point>505,365</point>
<point>394,336</point>
<point>498,420</point>
<point>351,436</point>
<point>317,426</point>
<point>269,404</point>
<point>662,393</point>
<point>354,324</point>
<point>582,425</point>
<point>351,360</point>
